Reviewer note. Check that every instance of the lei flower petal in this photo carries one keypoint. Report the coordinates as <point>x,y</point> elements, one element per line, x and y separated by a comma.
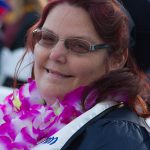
<point>25,119</point>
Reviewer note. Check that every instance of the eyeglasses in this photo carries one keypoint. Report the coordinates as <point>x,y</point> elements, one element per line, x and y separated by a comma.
<point>48,39</point>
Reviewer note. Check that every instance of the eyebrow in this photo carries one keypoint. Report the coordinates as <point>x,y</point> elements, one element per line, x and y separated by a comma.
<point>49,31</point>
<point>87,38</point>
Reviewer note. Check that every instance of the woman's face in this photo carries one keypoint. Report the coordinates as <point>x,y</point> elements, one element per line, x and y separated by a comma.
<point>57,70</point>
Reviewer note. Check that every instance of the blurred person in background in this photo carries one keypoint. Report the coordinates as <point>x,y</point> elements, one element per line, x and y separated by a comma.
<point>23,14</point>
<point>4,8</point>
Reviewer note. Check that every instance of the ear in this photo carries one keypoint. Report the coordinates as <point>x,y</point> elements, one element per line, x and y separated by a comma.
<point>117,61</point>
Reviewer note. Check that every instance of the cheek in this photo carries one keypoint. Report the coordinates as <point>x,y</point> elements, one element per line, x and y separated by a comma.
<point>39,56</point>
<point>88,71</point>
<point>39,61</point>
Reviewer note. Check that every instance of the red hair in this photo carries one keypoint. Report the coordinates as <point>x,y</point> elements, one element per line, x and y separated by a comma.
<point>111,24</point>
<point>109,20</point>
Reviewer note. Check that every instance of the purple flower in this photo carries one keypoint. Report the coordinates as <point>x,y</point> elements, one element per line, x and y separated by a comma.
<point>25,120</point>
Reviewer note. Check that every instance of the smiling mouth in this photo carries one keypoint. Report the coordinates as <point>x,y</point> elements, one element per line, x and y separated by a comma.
<point>57,73</point>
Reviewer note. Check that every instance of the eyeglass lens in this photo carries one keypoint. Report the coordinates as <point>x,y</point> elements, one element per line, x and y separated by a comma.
<point>49,40</point>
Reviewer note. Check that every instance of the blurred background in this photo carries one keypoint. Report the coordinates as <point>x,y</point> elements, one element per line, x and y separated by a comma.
<point>16,17</point>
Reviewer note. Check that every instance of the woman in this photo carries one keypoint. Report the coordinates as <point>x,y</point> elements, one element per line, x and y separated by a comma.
<point>86,92</point>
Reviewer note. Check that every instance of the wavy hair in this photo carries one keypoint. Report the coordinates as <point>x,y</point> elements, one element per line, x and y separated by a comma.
<point>112,25</point>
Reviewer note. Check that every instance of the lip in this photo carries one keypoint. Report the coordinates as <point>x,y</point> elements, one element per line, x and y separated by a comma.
<point>57,73</point>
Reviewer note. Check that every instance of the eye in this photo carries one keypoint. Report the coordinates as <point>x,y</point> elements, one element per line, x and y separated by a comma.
<point>78,46</point>
<point>47,39</point>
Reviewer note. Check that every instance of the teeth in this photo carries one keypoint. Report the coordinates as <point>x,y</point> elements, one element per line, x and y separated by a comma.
<point>59,74</point>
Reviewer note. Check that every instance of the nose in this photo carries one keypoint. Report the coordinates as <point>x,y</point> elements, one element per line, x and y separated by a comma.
<point>59,53</point>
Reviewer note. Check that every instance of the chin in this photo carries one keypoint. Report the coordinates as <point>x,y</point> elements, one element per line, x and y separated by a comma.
<point>53,93</point>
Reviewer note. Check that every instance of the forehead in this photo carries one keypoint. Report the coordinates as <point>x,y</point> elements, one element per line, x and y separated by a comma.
<point>67,20</point>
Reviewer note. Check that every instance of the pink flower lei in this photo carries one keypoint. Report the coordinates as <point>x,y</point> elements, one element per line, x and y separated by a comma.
<point>25,119</point>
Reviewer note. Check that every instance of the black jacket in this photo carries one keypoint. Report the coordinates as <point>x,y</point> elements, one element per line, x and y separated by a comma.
<point>121,129</point>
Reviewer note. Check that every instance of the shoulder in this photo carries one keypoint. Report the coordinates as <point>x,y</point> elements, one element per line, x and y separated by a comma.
<point>119,129</point>
<point>113,132</point>
<point>118,132</point>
